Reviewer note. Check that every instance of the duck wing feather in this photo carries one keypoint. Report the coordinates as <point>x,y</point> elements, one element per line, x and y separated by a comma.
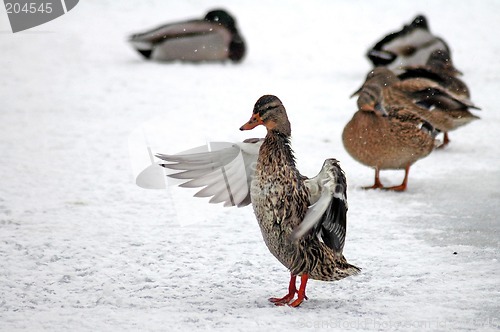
<point>225,170</point>
<point>327,216</point>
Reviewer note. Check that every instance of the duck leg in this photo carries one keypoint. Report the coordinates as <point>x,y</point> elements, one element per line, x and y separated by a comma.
<point>302,291</point>
<point>288,297</point>
<point>291,292</point>
<point>377,184</point>
<point>402,186</point>
<point>446,141</point>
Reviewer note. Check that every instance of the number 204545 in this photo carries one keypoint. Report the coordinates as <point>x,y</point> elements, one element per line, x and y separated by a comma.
<point>16,8</point>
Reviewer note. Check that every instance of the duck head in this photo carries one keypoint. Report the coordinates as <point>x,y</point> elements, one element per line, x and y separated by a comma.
<point>370,94</point>
<point>269,112</point>
<point>237,47</point>
<point>222,17</point>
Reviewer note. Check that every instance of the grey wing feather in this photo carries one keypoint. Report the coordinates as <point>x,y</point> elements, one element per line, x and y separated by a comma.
<point>225,172</point>
<point>168,31</point>
<point>327,216</point>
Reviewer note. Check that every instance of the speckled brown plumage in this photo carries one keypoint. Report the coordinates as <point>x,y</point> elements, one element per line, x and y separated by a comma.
<point>280,200</point>
<point>303,220</point>
<point>445,110</point>
<point>386,135</point>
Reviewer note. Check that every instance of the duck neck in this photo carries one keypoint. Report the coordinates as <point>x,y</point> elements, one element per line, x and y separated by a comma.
<point>276,150</point>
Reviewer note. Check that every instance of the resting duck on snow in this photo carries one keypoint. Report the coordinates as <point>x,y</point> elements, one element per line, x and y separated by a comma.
<point>302,220</point>
<point>410,46</point>
<point>213,38</point>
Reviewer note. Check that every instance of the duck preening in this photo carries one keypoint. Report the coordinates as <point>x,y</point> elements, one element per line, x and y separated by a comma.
<point>302,220</point>
<point>386,135</point>
<point>398,119</point>
<point>213,38</point>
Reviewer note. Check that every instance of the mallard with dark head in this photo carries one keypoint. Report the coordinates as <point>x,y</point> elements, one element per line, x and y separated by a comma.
<point>213,38</point>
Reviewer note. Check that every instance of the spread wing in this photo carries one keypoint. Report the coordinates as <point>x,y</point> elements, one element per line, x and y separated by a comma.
<point>327,216</point>
<point>224,172</point>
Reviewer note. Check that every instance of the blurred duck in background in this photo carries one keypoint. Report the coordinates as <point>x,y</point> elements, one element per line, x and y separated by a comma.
<point>426,76</point>
<point>213,38</point>
<point>410,46</point>
<point>440,69</point>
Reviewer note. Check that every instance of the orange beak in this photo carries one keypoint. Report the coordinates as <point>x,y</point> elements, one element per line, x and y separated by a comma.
<point>376,108</point>
<point>254,121</point>
<point>367,107</point>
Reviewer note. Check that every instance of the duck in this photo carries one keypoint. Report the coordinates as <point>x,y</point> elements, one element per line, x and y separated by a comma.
<point>302,220</point>
<point>213,38</point>
<point>439,106</point>
<point>440,69</point>
<point>412,45</point>
<point>386,136</point>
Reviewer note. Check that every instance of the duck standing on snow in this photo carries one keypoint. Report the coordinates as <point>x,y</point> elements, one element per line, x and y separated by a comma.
<point>213,38</point>
<point>302,220</point>
<point>410,46</point>
<point>386,135</point>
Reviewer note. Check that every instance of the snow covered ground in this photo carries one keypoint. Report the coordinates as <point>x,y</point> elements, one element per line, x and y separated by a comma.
<point>82,248</point>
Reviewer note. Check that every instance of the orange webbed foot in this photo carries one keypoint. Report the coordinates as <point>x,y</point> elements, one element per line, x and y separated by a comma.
<point>298,301</point>
<point>375,186</point>
<point>401,187</point>
<point>282,300</point>
<point>291,293</point>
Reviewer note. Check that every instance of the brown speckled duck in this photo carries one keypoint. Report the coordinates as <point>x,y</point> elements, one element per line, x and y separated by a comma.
<point>427,98</point>
<point>383,135</point>
<point>302,220</point>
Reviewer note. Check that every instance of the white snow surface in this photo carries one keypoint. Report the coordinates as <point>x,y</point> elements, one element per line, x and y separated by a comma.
<point>82,248</point>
